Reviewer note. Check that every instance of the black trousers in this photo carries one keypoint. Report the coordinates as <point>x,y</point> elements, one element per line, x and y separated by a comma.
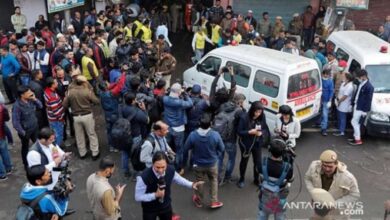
<point>10,86</point>
<point>256,157</point>
<point>30,135</point>
<point>162,215</point>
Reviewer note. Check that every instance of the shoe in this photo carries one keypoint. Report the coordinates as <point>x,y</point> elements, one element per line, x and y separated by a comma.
<point>9,172</point>
<point>215,205</point>
<point>351,139</point>
<point>197,201</point>
<point>69,212</point>
<point>96,157</point>
<point>356,142</point>
<point>324,133</point>
<point>3,178</point>
<point>240,184</point>
<point>338,134</point>
<point>175,217</point>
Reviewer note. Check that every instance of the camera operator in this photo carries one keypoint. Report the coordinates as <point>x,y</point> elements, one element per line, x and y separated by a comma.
<point>49,206</point>
<point>276,174</point>
<point>44,152</point>
<point>287,126</point>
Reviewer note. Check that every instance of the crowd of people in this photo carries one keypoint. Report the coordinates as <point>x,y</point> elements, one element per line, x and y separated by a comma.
<point>56,76</point>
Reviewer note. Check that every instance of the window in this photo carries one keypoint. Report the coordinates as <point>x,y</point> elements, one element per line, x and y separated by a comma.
<point>342,55</point>
<point>241,74</point>
<point>303,83</point>
<point>330,46</point>
<point>266,83</point>
<point>210,66</point>
<point>355,66</point>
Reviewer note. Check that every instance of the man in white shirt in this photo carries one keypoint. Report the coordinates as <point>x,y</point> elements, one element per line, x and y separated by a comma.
<point>44,152</point>
<point>163,30</point>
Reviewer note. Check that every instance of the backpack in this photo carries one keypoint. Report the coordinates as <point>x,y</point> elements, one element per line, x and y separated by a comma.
<point>224,122</point>
<point>272,199</point>
<point>28,209</point>
<point>135,156</point>
<point>121,132</point>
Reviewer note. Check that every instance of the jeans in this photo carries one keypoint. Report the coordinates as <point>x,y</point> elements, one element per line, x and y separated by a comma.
<point>125,154</point>
<point>256,157</point>
<point>342,121</point>
<point>277,216</point>
<point>5,163</point>
<point>58,127</point>
<point>10,87</point>
<point>324,116</point>
<point>29,135</point>
<point>177,138</point>
<point>231,151</point>
<point>307,37</point>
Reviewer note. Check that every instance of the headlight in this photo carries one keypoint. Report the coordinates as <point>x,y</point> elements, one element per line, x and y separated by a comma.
<point>377,116</point>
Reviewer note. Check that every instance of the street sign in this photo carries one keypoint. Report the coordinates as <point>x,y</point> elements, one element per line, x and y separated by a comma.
<point>353,4</point>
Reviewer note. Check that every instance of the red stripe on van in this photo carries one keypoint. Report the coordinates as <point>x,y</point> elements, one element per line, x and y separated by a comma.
<point>313,93</point>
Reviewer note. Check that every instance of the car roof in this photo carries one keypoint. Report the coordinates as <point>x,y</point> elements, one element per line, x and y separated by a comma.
<point>362,44</point>
<point>260,56</point>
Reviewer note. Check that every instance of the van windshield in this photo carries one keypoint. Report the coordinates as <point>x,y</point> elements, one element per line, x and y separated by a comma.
<point>379,76</point>
<point>303,83</point>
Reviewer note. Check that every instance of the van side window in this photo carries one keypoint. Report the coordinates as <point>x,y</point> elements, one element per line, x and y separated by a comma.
<point>266,83</point>
<point>210,66</point>
<point>342,55</point>
<point>355,66</point>
<point>303,83</point>
<point>330,46</point>
<point>241,73</point>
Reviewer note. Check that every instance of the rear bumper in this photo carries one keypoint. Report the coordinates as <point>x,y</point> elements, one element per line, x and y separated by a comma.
<point>377,128</point>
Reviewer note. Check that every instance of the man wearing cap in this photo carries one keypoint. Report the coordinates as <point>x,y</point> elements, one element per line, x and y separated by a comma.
<point>362,105</point>
<point>250,19</point>
<point>332,65</point>
<point>295,28</point>
<point>175,106</point>
<point>278,27</point>
<point>80,99</point>
<point>264,28</point>
<point>332,175</point>
<point>165,66</point>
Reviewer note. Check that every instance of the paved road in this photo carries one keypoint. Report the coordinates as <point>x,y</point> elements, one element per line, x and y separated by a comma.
<point>370,164</point>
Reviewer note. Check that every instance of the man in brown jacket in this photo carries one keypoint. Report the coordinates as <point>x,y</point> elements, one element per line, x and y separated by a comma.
<point>80,99</point>
<point>165,66</point>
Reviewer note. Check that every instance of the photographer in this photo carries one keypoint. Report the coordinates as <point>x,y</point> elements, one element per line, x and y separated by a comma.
<point>287,126</point>
<point>49,206</point>
<point>44,152</point>
<point>276,174</point>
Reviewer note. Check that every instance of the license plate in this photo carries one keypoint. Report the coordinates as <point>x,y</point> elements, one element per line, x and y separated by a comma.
<point>303,112</point>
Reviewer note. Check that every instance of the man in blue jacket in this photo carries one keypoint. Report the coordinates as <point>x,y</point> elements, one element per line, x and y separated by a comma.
<point>206,145</point>
<point>10,68</point>
<point>175,116</point>
<point>326,99</point>
<point>362,105</point>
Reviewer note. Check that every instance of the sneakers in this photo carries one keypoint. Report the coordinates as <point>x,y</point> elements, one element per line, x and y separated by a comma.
<point>3,178</point>
<point>240,184</point>
<point>9,172</point>
<point>215,205</point>
<point>338,134</point>
<point>197,201</point>
<point>324,133</point>
<point>175,216</point>
<point>356,142</point>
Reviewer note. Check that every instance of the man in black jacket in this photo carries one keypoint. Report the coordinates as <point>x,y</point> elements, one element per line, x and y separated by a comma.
<point>153,188</point>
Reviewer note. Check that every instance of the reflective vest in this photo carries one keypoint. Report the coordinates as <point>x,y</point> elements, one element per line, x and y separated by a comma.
<point>147,34</point>
<point>84,66</point>
<point>128,33</point>
<point>139,26</point>
<point>200,40</point>
<point>215,34</point>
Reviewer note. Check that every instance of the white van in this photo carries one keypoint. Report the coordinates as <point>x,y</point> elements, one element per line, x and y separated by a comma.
<point>363,50</point>
<point>272,77</point>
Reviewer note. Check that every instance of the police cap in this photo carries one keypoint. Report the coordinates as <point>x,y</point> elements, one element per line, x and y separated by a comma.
<point>328,156</point>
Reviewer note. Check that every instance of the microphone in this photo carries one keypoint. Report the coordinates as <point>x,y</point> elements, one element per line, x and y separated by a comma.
<point>161,186</point>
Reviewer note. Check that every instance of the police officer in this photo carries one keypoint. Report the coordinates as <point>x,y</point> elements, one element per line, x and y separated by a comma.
<point>276,175</point>
<point>332,175</point>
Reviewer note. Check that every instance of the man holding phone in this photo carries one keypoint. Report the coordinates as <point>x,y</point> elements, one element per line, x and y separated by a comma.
<point>24,118</point>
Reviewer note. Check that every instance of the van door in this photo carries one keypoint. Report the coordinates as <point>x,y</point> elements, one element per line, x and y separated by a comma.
<point>207,70</point>
<point>265,88</point>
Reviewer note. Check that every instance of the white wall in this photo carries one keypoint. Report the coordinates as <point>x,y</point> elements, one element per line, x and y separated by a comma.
<point>31,9</point>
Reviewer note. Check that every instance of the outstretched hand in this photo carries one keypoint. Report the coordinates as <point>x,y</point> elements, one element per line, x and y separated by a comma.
<point>196,184</point>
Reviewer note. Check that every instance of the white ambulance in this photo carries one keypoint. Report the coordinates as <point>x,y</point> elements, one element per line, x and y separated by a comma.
<point>363,50</point>
<point>272,77</point>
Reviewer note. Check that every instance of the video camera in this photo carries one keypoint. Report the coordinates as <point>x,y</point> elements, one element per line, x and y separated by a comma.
<point>64,186</point>
<point>289,153</point>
